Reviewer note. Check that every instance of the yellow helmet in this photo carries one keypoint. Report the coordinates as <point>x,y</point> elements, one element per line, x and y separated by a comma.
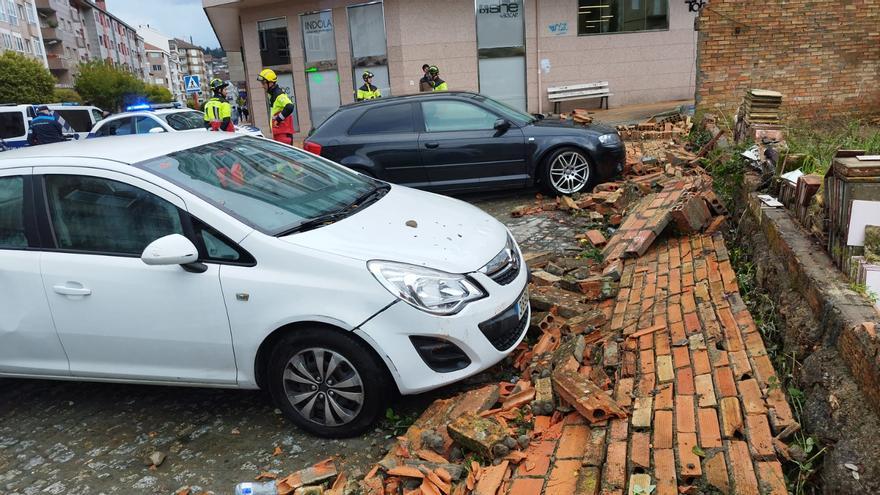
<point>267,75</point>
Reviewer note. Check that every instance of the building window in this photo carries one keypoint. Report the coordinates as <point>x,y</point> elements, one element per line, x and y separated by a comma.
<point>7,41</point>
<point>2,11</point>
<point>274,47</point>
<point>620,16</point>
<point>157,68</point>
<point>10,12</point>
<point>38,49</point>
<point>32,19</point>
<point>19,43</point>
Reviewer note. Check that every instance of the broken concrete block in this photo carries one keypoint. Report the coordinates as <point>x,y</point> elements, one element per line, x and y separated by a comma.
<point>573,347</point>
<point>568,303</point>
<point>598,287</point>
<point>555,269</point>
<point>544,403</point>
<point>613,270</point>
<point>585,323</point>
<point>588,399</point>
<point>537,259</point>
<point>566,203</point>
<point>479,435</point>
<point>309,490</point>
<point>596,217</point>
<point>541,277</point>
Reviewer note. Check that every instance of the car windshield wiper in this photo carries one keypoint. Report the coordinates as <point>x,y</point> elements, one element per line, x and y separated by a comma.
<point>372,195</point>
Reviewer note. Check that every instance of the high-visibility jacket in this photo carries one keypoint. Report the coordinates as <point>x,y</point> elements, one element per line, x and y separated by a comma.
<point>281,105</point>
<point>368,92</point>
<point>440,85</point>
<point>218,115</point>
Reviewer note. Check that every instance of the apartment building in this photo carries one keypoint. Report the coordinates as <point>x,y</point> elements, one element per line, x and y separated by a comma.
<point>192,62</point>
<point>76,31</point>
<point>161,47</point>
<point>19,30</point>
<point>511,50</point>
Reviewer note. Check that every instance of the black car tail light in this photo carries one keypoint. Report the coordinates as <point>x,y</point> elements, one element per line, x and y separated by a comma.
<point>440,355</point>
<point>312,147</point>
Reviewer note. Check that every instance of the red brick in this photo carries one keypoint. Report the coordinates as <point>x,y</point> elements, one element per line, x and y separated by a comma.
<point>684,414</point>
<point>684,381</point>
<point>538,461</point>
<point>661,342</point>
<point>619,430</point>
<point>677,331</point>
<point>760,438</point>
<point>646,361</point>
<point>664,472</point>
<point>739,362</point>
<point>641,450</point>
<point>596,238</point>
<point>710,433</point>
<point>680,357</point>
<point>705,391</point>
<point>563,478</point>
<point>646,385</point>
<point>663,399</point>
<point>674,312</point>
<point>731,417</point>
<point>674,281</point>
<point>526,486</point>
<point>724,384</point>
<point>687,459</point>
<point>771,478</point>
<point>691,323</point>
<point>763,370</point>
<point>573,442</point>
<point>662,430</point>
<point>594,455</point>
<point>701,362</point>
<point>752,399</point>
<point>741,467</point>
<point>614,471</point>
<point>715,468</point>
<point>623,392</point>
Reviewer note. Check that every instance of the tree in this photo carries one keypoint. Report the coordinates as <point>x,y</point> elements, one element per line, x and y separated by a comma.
<point>158,94</point>
<point>107,86</point>
<point>61,95</point>
<point>23,79</point>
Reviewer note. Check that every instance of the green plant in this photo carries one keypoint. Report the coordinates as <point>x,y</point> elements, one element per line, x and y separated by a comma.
<point>818,144</point>
<point>23,79</point>
<point>61,95</point>
<point>107,86</point>
<point>396,423</point>
<point>592,253</point>
<point>158,94</point>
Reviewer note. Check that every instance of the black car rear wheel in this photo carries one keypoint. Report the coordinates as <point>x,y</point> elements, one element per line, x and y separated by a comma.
<point>567,171</point>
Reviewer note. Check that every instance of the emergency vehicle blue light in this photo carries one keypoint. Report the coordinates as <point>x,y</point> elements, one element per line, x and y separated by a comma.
<point>141,106</point>
<point>70,104</point>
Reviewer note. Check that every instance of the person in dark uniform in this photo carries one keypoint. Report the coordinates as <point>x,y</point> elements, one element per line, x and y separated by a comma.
<point>426,83</point>
<point>45,129</point>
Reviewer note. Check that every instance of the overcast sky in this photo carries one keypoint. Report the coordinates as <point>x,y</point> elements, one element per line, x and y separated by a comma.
<point>175,18</point>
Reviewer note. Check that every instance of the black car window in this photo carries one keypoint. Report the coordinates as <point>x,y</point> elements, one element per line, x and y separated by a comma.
<point>12,233</point>
<point>118,127</point>
<point>451,115</point>
<point>79,120</point>
<point>391,118</point>
<point>11,125</point>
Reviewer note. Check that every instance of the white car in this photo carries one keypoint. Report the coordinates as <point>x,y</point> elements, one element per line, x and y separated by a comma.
<point>223,260</point>
<point>156,121</point>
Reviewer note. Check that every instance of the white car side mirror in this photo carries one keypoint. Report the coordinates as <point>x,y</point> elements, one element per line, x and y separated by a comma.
<point>173,249</point>
<point>156,130</point>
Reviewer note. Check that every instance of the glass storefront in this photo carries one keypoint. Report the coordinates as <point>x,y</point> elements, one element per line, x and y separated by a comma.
<point>366,25</point>
<point>501,50</point>
<point>322,75</point>
<point>274,44</point>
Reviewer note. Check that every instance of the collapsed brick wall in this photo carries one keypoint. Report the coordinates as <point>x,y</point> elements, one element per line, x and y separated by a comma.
<point>823,55</point>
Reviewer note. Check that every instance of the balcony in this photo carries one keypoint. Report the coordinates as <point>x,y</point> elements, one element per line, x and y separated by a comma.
<point>50,30</point>
<point>45,7</point>
<point>58,63</point>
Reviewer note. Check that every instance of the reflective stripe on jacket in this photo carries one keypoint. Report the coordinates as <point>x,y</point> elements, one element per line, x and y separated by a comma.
<point>440,85</point>
<point>218,115</point>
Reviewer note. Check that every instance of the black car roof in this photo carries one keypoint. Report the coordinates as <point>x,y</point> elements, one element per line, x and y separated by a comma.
<point>414,96</point>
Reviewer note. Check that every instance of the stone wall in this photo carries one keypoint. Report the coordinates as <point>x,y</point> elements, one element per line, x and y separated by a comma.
<point>823,55</point>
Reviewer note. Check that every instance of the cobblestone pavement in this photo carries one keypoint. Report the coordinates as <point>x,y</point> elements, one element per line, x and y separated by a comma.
<point>90,438</point>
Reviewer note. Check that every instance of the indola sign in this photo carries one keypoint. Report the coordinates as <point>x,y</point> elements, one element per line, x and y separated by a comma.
<point>504,9</point>
<point>318,25</point>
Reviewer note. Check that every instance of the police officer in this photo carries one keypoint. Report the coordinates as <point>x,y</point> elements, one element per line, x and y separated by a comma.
<point>45,129</point>
<point>436,83</point>
<point>368,91</point>
<point>218,111</point>
<point>425,83</point>
<point>282,108</point>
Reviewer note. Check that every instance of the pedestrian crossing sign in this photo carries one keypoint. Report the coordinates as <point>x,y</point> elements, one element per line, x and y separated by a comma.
<point>192,84</point>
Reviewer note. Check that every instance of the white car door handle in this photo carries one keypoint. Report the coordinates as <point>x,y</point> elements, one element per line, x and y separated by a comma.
<point>67,290</point>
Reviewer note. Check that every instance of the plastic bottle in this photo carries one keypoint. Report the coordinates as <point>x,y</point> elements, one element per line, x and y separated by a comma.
<point>259,488</point>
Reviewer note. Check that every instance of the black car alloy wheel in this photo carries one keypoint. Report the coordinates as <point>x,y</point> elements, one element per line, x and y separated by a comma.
<point>567,171</point>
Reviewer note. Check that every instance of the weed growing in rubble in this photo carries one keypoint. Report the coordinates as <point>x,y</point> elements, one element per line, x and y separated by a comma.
<point>592,253</point>
<point>805,463</point>
<point>727,167</point>
<point>862,289</point>
<point>396,423</point>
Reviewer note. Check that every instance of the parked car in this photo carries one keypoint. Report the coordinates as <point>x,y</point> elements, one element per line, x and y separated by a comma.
<point>223,260</point>
<point>459,141</point>
<point>15,121</point>
<point>144,119</point>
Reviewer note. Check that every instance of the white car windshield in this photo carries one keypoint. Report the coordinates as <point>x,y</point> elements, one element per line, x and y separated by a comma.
<point>271,187</point>
<point>184,121</point>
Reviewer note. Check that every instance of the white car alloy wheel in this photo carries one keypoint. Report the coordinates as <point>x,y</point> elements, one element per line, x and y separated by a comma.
<point>323,387</point>
<point>569,172</point>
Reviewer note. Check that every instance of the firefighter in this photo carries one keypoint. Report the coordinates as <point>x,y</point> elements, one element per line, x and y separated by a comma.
<point>218,111</point>
<point>282,108</point>
<point>368,91</point>
<point>45,128</point>
<point>436,83</point>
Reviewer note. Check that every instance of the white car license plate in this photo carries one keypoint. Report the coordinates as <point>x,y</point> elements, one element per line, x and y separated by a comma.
<point>522,306</point>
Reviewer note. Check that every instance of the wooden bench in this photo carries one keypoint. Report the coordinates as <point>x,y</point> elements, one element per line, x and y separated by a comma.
<point>579,92</point>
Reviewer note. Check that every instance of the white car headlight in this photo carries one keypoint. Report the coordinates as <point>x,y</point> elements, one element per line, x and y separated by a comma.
<point>612,138</point>
<point>432,291</point>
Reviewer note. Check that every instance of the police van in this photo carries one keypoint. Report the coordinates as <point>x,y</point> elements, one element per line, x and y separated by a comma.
<point>77,120</point>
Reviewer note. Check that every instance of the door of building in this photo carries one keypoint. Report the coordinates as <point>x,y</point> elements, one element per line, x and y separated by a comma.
<point>366,26</point>
<point>501,51</point>
<point>322,74</point>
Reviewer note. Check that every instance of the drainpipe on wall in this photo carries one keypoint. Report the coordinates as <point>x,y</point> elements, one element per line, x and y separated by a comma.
<point>538,56</point>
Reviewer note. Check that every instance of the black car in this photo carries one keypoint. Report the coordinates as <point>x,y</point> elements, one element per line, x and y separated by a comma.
<point>459,141</point>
